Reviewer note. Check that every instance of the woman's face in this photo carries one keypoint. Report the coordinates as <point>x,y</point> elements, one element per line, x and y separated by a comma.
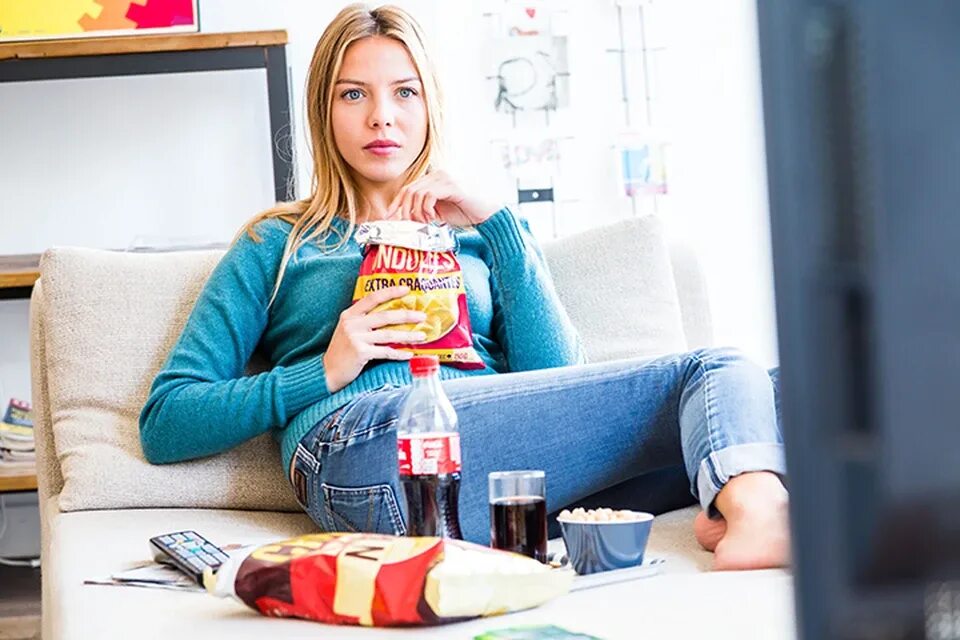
<point>378,112</point>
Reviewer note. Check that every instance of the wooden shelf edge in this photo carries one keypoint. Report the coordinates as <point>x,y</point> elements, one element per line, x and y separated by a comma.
<point>17,481</point>
<point>19,271</point>
<point>19,279</point>
<point>116,45</point>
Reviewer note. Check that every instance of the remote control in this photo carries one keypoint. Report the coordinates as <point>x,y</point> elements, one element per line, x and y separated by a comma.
<point>188,551</point>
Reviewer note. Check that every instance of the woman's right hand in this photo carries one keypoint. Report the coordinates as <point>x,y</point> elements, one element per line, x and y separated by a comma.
<point>359,337</point>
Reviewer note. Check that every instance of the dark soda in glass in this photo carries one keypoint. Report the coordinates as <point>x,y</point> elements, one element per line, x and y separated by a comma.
<point>519,524</point>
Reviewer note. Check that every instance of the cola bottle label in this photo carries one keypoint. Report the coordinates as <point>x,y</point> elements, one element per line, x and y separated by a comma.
<point>429,454</point>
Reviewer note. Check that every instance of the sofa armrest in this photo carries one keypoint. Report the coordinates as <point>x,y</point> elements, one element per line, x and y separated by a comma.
<point>49,478</point>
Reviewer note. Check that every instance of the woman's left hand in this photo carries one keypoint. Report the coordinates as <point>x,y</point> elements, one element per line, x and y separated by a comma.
<point>436,197</point>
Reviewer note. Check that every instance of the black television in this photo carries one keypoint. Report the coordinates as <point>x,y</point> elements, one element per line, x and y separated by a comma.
<point>862,119</point>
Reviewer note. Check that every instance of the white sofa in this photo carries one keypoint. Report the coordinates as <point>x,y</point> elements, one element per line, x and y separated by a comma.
<point>101,326</point>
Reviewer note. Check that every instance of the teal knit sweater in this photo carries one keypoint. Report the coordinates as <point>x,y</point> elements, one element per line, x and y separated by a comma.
<point>201,403</point>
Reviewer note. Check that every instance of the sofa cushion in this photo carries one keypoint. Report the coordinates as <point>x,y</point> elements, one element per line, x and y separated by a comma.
<point>110,320</point>
<point>98,543</point>
<point>616,283</point>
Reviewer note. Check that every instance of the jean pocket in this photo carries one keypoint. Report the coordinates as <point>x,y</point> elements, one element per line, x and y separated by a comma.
<point>370,509</point>
<point>361,414</point>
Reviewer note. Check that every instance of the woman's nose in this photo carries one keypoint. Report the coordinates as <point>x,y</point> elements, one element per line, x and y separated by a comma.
<point>382,114</point>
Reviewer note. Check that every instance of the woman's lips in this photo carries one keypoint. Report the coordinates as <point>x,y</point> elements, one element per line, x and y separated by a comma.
<point>382,151</point>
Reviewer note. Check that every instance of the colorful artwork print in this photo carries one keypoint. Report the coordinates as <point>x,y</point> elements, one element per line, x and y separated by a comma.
<point>642,170</point>
<point>47,19</point>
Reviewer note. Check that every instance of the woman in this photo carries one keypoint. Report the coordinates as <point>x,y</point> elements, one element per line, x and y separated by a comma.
<point>335,389</point>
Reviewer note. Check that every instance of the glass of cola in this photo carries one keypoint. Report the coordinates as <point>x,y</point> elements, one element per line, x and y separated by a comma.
<point>518,512</point>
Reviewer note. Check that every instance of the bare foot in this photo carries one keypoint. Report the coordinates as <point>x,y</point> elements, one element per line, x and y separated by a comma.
<point>757,524</point>
<point>708,532</point>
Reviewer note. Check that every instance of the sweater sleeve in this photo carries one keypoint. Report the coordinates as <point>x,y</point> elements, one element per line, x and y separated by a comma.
<point>529,320</point>
<point>201,403</point>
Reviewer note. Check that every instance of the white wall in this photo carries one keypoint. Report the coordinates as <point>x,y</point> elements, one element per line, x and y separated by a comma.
<point>718,173</point>
<point>99,162</point>
<point>65,183</point>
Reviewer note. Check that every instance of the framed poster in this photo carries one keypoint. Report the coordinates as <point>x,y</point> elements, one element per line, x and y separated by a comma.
<point>49,19</point>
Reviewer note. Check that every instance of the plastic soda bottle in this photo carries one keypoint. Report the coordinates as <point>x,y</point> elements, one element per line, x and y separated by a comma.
<point>428,452</point>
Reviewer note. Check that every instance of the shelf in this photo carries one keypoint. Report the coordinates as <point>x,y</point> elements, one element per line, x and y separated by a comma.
<point>17,480</point>
<point>113,57</point>
<point>117,45</point>
<point>19,271</point>
<point>68,59</point>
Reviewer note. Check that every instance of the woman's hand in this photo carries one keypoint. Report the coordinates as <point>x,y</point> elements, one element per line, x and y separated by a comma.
<point>359,338</point>
<point>436,197</point>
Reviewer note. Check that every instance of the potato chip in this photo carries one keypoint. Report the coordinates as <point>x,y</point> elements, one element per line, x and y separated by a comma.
<point>440,307</point>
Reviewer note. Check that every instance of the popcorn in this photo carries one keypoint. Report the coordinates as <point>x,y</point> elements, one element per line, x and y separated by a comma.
<point>603,514</point>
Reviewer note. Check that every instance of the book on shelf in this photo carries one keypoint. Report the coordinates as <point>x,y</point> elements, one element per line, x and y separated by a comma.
<point>10,458</point>
<point>16,445</point>
<point>16,459</point>
<point>20,465</point>
<point>17,448</point>
<point>18,418</point>
<point>13,455</point>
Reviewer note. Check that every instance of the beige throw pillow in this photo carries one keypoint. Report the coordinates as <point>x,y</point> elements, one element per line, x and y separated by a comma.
<point>111,319</point>
<point>616,282</point>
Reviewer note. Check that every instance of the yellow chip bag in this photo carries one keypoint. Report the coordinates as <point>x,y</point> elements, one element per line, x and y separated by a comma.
<point>421,257</point>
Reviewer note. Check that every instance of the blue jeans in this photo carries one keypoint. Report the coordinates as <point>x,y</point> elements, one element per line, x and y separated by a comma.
<point>627,434</point>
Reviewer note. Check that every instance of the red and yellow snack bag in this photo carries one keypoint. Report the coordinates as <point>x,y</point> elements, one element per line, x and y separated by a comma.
<point>378,580</point>
<point>421,257</point>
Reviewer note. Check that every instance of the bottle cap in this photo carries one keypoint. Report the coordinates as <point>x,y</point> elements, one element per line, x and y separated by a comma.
<point>421,366</point>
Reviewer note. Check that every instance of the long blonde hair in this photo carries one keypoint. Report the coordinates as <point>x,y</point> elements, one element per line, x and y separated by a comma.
<point>333,191</point>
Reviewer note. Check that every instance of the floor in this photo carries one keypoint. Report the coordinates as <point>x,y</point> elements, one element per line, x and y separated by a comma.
<point>19,603</point>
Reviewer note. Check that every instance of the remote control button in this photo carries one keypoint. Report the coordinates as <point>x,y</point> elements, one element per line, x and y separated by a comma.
<point>206,557</point>
<point>166,539</point>
<point>222,557</point>
<point>179,537</point>
<point>197,564</point>
<point>209,548</point>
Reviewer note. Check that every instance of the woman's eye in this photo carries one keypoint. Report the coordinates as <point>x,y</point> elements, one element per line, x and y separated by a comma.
<point>406,92</point>
<point>352,94</point>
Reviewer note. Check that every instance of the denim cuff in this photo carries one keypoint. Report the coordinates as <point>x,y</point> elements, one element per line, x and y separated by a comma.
<point>718,467</point>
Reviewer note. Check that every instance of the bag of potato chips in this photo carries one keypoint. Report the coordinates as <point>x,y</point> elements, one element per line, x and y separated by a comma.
<point>421,257</point>
<point>378,580</point>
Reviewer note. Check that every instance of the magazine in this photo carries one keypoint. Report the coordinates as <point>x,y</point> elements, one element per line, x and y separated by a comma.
<point>154,574</point>
<point>149,574</point>
<point>17,447</point>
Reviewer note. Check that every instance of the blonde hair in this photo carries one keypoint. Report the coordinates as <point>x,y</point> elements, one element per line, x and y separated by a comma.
<point>333,191</point>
